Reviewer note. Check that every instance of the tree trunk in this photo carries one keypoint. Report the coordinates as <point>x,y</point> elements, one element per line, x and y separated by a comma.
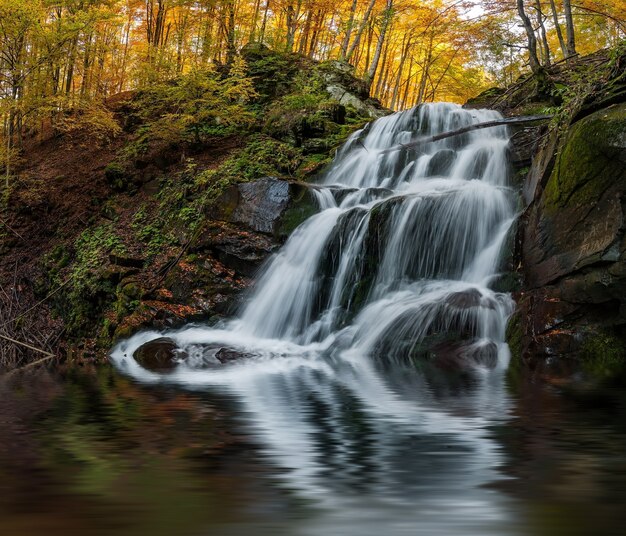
<point>542,29</point>
<point>387,17</point>
<point>569,28</point>
<point>533,60</point>
<point>346,39</point>
<point>359,32</point>
<point>557,27</point>
<point>406,43</point>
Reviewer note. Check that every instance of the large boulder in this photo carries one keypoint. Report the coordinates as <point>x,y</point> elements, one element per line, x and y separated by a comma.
<point>573,243</point>
<point>269,205</point>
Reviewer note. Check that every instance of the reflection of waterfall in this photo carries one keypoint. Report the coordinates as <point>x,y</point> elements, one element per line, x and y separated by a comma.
<point>346,321</point>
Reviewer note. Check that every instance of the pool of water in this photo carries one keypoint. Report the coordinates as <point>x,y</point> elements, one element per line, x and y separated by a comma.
<point>87,451</point>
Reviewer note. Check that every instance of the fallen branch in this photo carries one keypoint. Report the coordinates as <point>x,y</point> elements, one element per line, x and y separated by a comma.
<point>477,126</point>
<point>26,345</point>
<point>3,222</point>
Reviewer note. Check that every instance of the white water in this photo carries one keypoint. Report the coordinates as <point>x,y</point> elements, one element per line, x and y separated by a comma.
<point>390,276</point>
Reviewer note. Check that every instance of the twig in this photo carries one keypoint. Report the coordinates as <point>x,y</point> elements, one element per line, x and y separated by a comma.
<point>3,221</point>
<point>24,313</point>
<point>26,345</point>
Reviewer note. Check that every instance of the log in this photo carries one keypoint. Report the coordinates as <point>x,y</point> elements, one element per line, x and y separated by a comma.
<point>488,124</point>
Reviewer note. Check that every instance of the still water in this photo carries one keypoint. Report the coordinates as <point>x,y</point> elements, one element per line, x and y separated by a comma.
<point>91,452</point>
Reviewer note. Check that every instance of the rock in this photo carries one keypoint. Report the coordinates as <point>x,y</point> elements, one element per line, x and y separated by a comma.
<point>441,162</point>
<point>240,250</point>
<point>523,145</point>
<point>315,146</point>
<point>465,299</point>
<point>269,205</point>
<point>345,98</point>
<point>261,203</point>
<point>159,355</point>
<point>573,246</point>
<point>226,355</point>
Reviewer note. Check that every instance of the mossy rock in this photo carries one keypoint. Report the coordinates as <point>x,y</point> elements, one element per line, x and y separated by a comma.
<point>118,176</point>
<point>301,208</point>
<point>592,159</point>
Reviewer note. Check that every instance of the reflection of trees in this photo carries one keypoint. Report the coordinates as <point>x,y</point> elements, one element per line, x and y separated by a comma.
<point>90,452</point>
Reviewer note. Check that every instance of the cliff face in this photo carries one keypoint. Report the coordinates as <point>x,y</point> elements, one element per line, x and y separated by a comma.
<point>571,243</point>
<point>573,249</point>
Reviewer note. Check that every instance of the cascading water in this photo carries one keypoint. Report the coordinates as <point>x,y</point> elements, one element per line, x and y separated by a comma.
<point>391,275</point>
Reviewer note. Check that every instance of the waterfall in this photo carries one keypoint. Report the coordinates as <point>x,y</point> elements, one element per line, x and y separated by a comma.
<point>392,275</point>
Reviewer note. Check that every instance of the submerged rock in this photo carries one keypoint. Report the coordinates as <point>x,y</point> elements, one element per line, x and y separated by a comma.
<point>465,299</point>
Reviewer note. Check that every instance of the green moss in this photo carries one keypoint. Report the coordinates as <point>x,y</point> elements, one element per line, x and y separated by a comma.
<point>263,156</point>
<point>91,287</point>
<point>301,210</point>
<point>589,161</point>
<point>116,174</point>
<point>603,355</point>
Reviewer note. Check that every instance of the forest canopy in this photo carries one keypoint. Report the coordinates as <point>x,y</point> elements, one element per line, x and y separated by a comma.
<point>62,56</point>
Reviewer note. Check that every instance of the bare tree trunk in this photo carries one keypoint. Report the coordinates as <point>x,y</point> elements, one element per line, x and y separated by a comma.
<point>359,32</point>
<point>264,24</point>
<point>406,44</point>
<point>387,17</point>
<point>569,28</point>
<point>542,30</point>
<point>557,27</point>
<point>346,39</point>
<point>255,18</point>
<point>535,66</point>
<point>384,68</point>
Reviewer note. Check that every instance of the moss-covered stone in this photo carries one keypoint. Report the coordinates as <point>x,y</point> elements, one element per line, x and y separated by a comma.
<point>592,158</point>
<point>603,355</point>
<point>300,211</point>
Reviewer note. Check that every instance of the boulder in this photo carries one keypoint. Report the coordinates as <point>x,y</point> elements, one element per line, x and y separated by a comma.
<point>159,355</point>
<point>573,247</point>
<point>269,205</point>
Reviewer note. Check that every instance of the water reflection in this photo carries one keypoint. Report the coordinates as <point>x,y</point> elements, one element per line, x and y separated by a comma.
<point>90,452</point>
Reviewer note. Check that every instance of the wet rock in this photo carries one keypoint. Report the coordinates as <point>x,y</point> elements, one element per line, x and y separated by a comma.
<point>269,205</point>
<point>261,203</point>
<point>226,355</point>
<point>524,144</point>
<point>240,250</point>
<point>441,162</point>
<point>465,299</point>
<point>573,249</point>
<point>159,355</point>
